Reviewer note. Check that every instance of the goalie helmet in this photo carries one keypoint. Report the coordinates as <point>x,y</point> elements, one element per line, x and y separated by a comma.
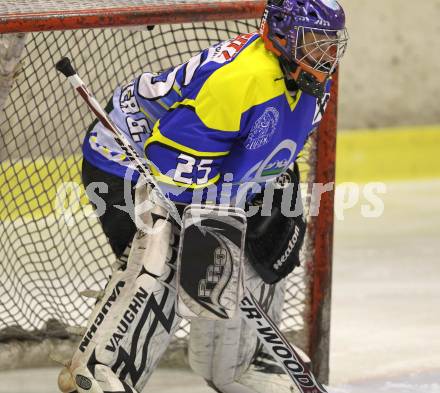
<point>308,36</point>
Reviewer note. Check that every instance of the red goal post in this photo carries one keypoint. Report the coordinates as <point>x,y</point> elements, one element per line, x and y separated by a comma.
<point>28,172</point>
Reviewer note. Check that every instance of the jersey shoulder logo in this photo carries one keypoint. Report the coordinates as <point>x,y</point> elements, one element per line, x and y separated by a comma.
<point>227,50</point>
<point>263,129</point>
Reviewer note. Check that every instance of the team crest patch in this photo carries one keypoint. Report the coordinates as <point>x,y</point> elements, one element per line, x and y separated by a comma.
<point>263,129</point>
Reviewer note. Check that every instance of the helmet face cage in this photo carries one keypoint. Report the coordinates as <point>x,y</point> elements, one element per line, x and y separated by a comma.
<point>309,36</point>
<point>319,49</point>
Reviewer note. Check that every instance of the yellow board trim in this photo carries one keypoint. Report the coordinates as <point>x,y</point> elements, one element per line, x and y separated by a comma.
<point>364,155</point>
<point>404,153</point>
<point>28,188</point>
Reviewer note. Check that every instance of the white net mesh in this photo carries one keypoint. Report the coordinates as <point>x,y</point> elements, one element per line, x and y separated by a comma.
<point>47,259</point>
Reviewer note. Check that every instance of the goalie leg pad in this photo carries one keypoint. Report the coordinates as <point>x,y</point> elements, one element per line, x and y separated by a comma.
<point>209,277</point>
<point>132,326</point>
<point>222,351</point>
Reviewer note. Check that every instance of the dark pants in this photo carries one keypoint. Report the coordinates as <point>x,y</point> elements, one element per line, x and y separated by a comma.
<point>117,224</point>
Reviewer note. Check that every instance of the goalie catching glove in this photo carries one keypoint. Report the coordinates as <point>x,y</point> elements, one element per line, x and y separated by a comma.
<point>273,242</point>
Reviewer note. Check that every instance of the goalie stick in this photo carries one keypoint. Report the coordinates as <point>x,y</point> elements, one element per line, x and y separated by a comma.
<point>66,68</point>
<point>278,346</point>
<point>250,310</point>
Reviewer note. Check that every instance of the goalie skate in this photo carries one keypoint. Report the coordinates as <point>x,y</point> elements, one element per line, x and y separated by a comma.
<point>257,380</point>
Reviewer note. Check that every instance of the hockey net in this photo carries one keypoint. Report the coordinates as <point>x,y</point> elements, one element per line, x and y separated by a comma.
<point>50,248</point>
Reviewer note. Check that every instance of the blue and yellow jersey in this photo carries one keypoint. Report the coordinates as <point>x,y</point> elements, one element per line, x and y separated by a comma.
<point>222,124</point>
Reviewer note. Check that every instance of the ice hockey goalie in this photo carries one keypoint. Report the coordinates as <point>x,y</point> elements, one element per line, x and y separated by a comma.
<point>223,129</point>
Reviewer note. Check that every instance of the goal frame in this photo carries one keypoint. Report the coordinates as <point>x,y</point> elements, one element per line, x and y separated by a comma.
<point>321,230</point>
<point>147,14</point>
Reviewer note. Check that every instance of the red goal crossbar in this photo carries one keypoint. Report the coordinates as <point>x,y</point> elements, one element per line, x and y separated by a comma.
<point>65,15</point>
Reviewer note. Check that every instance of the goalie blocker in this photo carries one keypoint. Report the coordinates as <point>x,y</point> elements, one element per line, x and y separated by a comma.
<point>273,242</point>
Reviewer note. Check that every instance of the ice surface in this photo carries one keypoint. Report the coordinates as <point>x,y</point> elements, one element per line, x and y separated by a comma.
<point>180,381</point>
<point>386,287</point>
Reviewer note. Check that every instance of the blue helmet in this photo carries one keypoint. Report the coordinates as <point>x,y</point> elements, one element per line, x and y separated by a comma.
<point>309,37</point>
